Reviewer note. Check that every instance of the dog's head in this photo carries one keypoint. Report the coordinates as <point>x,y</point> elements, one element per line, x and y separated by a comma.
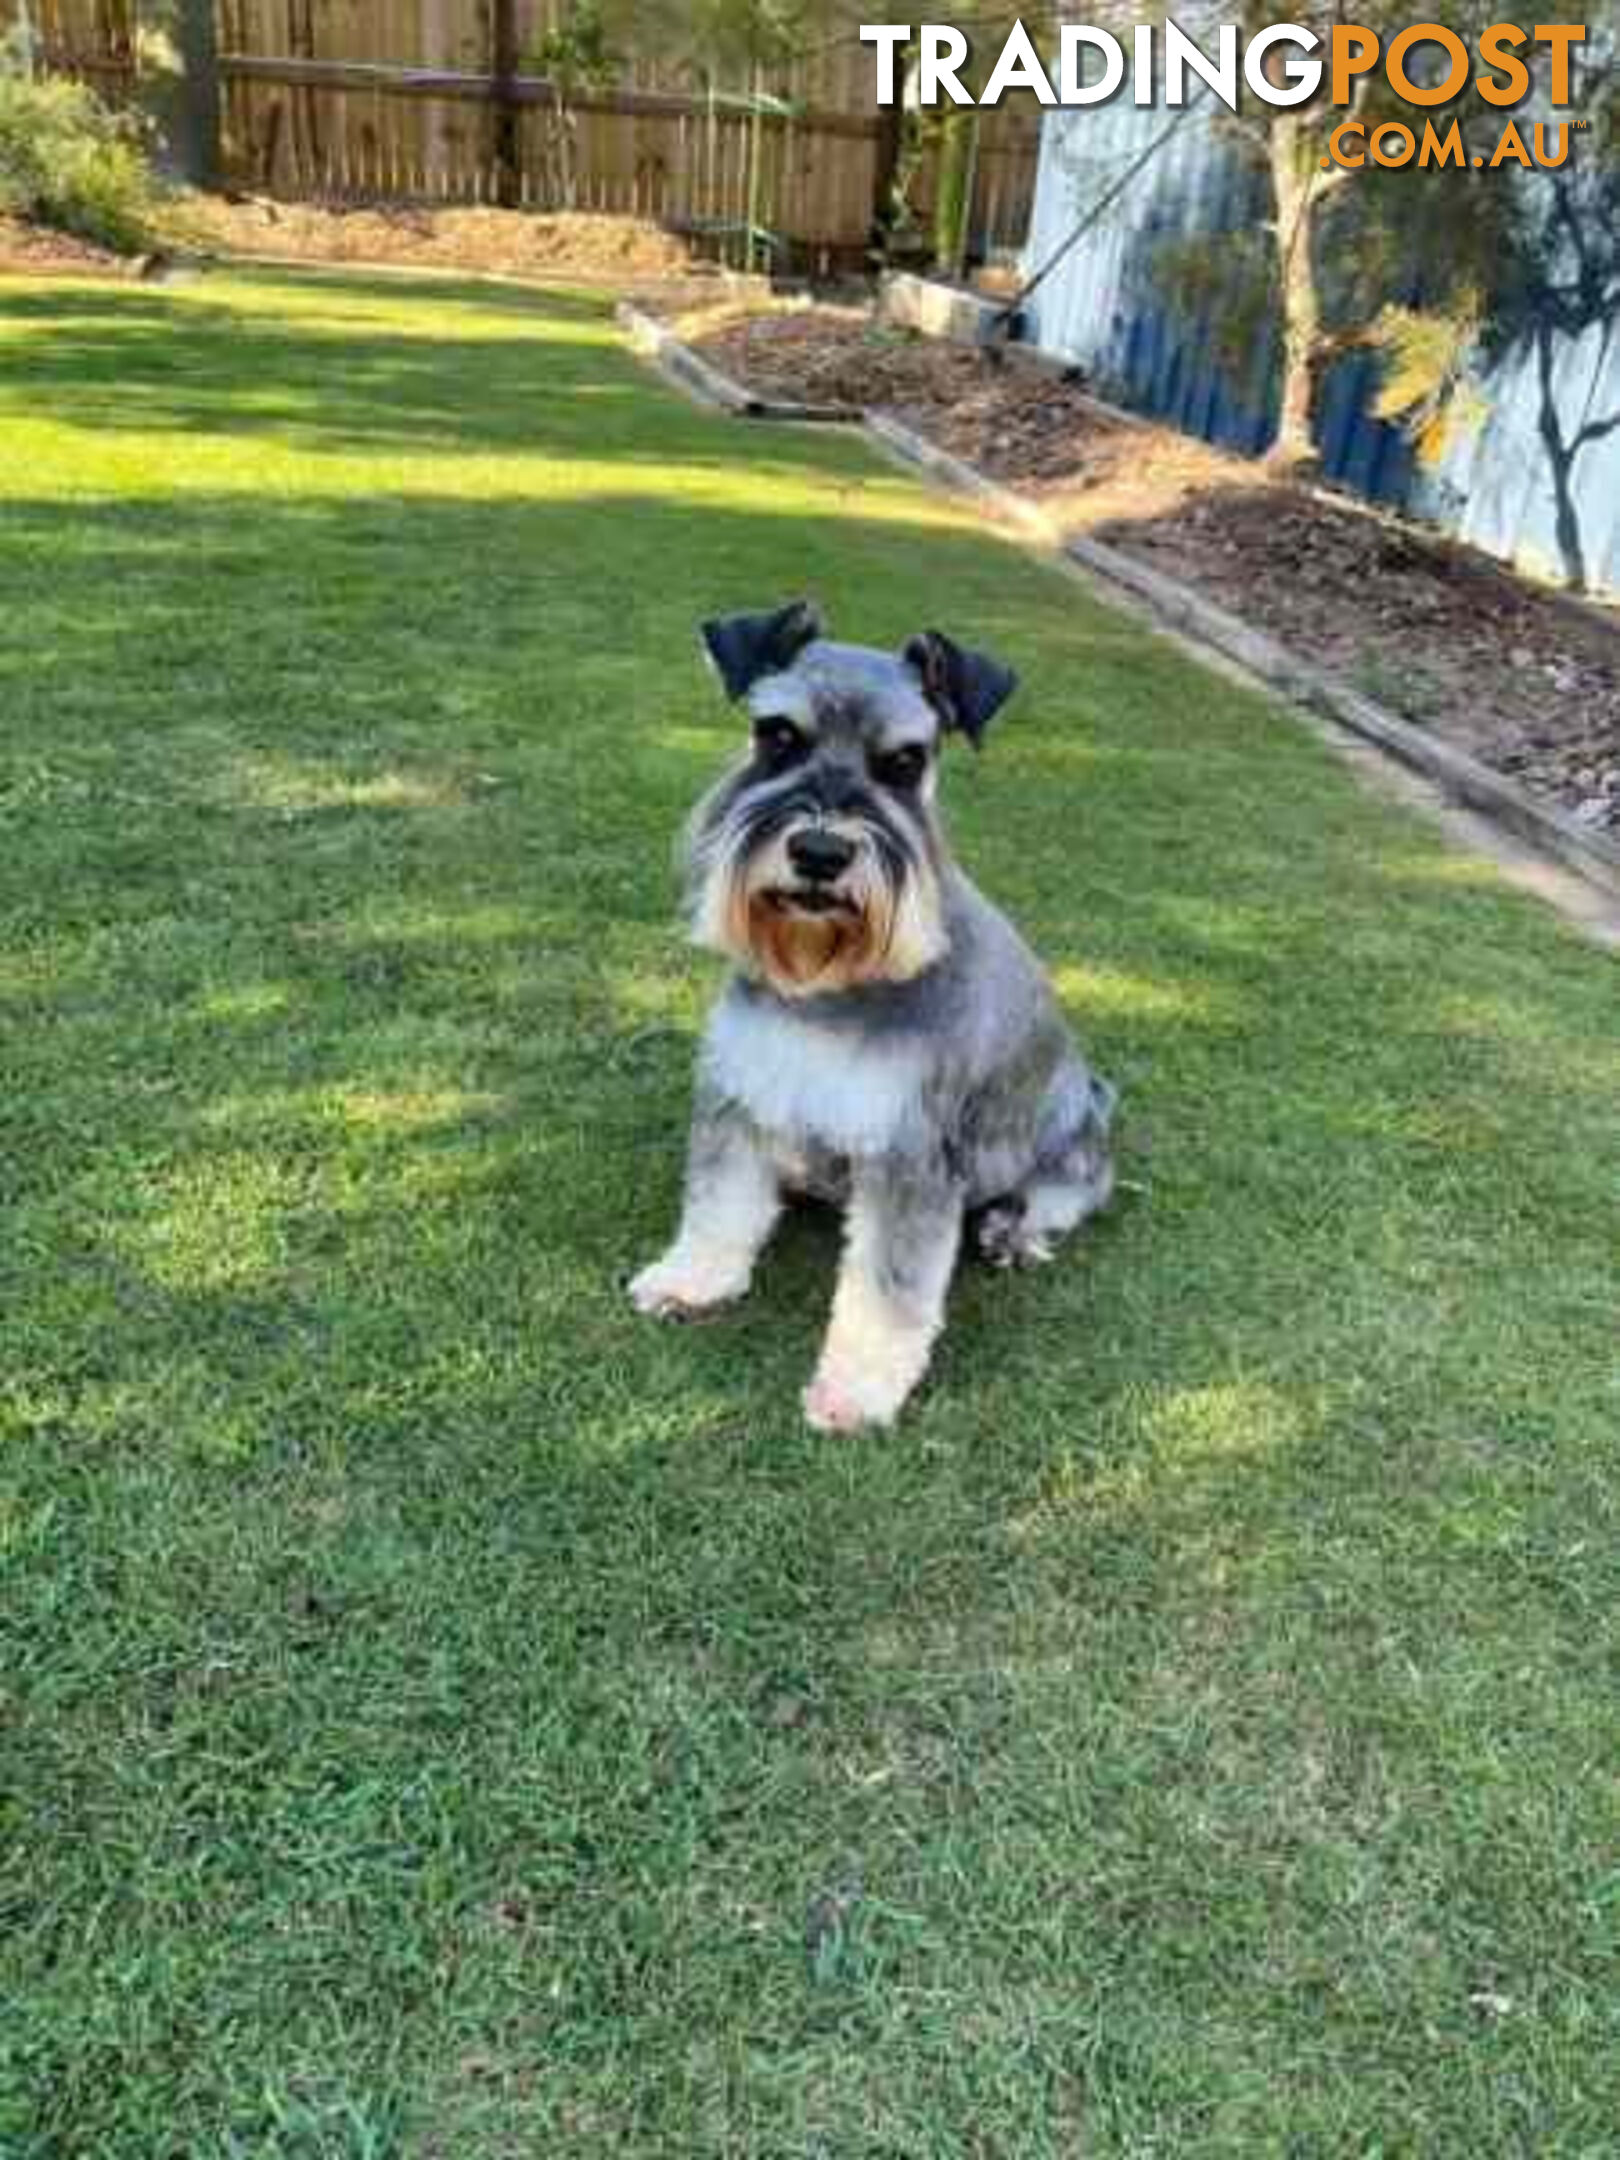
<point>815,863</point>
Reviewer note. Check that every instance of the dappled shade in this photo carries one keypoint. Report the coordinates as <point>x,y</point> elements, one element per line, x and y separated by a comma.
<point>445,1709</point>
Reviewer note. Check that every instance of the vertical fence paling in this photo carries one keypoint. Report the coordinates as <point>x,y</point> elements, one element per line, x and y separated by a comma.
<point>804,172</point>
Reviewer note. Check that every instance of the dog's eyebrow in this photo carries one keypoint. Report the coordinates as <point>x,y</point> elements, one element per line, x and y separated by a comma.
<point>889,730</point>
<point>781,697</point>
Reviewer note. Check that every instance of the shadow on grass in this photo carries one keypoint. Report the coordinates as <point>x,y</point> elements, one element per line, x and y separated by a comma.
<point>325,816</point>
<point>323,880</point>
<point>346,369</point>
<point>422,1661</point>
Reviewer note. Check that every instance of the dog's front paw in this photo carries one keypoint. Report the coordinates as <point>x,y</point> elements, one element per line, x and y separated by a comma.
<point>843,1403</point>
<point>681,1288</point>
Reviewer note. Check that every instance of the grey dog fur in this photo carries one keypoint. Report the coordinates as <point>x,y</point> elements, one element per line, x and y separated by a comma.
<point>957,1095</point>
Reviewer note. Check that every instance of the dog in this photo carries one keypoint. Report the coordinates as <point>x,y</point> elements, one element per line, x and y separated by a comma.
<point>885,1040</point>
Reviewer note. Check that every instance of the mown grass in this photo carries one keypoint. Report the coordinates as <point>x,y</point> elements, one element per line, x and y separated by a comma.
<point>444,1716</point>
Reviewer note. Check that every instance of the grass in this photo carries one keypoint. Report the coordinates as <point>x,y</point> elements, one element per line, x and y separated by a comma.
<point>444,1716</point>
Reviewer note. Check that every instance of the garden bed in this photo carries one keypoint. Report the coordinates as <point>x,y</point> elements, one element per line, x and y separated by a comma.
<point>1520,677</point>
<point>41,252</point>
<point>583,247</point>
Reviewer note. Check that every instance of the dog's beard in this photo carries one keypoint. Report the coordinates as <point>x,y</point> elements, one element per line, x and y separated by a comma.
<point>881,922</point>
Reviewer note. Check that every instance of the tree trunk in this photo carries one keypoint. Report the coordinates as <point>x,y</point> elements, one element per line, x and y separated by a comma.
<point>23,34</point>
<point>508,148</point>
<point>441,48</point>
<point>889,148</point>
<point>177,74</point>
<point>953,197</point>
<point>756,152</point>
<point>1293,194</point>
<point>1560,461</point>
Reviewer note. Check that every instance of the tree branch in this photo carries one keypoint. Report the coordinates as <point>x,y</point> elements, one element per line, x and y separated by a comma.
<point>1594,431</point>
<point>1329,183</point>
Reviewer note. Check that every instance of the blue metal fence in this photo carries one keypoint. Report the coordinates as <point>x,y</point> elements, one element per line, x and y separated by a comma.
<point>1495,484</point>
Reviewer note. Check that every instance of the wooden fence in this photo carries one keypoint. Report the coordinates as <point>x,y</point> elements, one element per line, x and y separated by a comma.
<point>440,101</point>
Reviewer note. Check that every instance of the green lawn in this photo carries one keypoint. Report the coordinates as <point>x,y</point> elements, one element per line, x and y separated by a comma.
<point>446,1716</point>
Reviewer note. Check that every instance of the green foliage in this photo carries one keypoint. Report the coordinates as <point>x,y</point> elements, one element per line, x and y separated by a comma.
<point>752,33</point>
<point>729,41</point>
<point>577,52</point>
<point>1426,265</point>
<point>1425,385</point>
<point>68,162</point>
<point>953,188</point>
<point>1230,288</point>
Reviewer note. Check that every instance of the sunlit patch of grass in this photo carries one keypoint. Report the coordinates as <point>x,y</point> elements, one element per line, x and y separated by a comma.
<point>244,1001</point>
<point>220,1226</point>
<point>1462,872</point>
<point>385,922</point>
<point>1100,994</point>
<point>364,1109</point>
<point>280,784</point>
<point>417,1111</point>
<point>445,1715</point>
<point>705,743</point>
<point>644,996</point>
<point>1226,1420</point>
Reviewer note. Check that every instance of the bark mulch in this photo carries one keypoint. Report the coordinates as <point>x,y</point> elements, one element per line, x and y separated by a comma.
<point>1522,677</point>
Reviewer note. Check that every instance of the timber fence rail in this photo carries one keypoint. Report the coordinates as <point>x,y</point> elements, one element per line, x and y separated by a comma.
<point>448,101</point>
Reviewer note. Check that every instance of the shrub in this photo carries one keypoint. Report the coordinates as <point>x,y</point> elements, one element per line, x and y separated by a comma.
<point>66,160</point>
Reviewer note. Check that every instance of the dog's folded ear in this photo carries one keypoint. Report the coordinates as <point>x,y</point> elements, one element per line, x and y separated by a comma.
<point>745,647</point>
<point>965,688</point>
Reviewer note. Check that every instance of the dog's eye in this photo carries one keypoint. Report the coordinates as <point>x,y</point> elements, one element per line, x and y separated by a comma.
<point>900,768</point>
<point>779,742</point>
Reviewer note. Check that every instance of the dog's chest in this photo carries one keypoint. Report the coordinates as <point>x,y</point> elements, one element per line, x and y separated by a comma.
<point>816,1086</point>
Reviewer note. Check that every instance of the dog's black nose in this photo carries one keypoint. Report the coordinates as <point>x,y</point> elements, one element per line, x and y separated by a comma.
<point>820,856</point>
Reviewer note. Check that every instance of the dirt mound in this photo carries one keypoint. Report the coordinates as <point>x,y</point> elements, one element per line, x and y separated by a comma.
<point>513,243</point>
<point>38,249</point>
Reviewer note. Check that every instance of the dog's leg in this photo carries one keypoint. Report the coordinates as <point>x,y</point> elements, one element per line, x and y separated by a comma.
<point>901,1237</point>
<point>1067,1185</point>
<point>1023,1230</point>
<point>732,1202</point>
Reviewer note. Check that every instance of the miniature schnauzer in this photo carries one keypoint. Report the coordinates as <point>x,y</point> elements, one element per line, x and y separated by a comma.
<point>886,1041</point>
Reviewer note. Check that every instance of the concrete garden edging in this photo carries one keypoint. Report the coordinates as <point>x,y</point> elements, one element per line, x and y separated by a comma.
<point>1549,832</point>
<point>936,309</point>
<point>1462,777</point>
<point>693,372</point>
